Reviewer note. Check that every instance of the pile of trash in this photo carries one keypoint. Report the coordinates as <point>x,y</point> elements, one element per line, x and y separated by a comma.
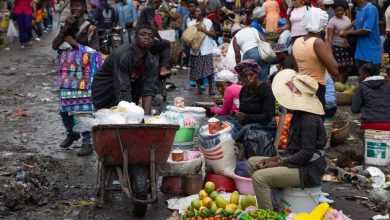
<point>29,184</point>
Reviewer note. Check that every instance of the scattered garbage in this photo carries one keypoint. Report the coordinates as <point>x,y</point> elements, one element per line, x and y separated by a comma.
<point>19,112</point>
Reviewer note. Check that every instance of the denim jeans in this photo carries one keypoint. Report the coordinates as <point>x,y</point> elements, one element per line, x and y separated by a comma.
<point>69,123</point>
<point>264,66</point>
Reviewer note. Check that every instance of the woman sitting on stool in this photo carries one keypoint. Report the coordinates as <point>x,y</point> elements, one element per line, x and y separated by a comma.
<point>303,164</point>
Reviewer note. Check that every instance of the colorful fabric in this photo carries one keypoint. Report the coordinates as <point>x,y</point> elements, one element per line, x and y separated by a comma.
<point>73,102</point>
<point>74,94</point>
<point>77,69</point>
<point>342,56</point>
<point>73,108</point>
<point>247,65</point>
<point>201,66</point>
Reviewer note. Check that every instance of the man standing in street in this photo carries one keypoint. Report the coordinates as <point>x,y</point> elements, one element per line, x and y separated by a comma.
<point>368,48</point>
<point>128,74</point>
<point>76,31</point>
<point>161,47</point>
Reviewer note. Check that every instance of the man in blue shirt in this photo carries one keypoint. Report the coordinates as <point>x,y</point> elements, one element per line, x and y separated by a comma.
<point>127,15</point>
<point>368,48</point>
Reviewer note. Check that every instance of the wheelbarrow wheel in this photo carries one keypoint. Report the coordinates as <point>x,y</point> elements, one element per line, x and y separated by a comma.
<point>140,188</point>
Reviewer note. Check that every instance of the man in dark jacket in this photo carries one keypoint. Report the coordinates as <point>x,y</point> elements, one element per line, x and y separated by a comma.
<point>128,74</point>
<point>372,99</point>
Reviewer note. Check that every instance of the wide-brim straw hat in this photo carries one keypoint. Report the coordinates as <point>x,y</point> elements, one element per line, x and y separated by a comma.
<point>297,92</point>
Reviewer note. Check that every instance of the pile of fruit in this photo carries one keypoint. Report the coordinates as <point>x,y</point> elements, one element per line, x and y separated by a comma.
<point>286,126</point>
<point>343,88</point>
<point>261,214</point>
<point>212,206</point>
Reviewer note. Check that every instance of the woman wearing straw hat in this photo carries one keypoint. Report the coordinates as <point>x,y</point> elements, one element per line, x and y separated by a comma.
<point>303,163</point>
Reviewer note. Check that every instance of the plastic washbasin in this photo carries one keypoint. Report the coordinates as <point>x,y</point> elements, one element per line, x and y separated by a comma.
<point>244,185</point>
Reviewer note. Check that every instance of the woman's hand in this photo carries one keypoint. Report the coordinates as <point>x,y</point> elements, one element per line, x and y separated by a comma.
<point>240,116</point>
<point>218,101</point>
<point>201,28</point>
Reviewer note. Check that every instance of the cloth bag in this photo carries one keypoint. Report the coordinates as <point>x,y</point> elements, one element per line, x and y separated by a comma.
<point>75,74</point>
<point>193,37</point>
<point>265,50</point>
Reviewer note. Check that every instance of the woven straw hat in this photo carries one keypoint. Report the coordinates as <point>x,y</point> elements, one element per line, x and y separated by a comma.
<point>297,92</point>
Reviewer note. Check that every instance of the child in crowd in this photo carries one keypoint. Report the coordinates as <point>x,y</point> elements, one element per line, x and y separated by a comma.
<point>37,21</point>
<point>372,99</point>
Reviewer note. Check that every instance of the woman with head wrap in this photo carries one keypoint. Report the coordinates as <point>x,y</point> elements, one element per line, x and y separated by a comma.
<point>227,86</point>
<point>201,64</point>
<point>338,44</point>
<point>257,107</point>
<point>246,42</point>
<point>311,55</point>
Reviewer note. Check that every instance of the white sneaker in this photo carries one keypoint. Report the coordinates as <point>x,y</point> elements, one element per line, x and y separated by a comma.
<point>38,39</point>
<point>324,199</point>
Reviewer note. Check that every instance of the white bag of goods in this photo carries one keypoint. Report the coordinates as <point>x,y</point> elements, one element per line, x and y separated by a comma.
<point>219,150</point>
<point>183,168</point>
<point>177,115</point>
<point>131,112</point>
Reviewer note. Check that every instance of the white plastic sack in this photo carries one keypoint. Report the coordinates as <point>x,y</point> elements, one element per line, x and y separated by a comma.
<point>229,61</point>
<point>132,113</point>
<point>177,115</point>
<point>169,35</point>
<point>184,168</point>
<point>219,150</point>
<point>12,32</point>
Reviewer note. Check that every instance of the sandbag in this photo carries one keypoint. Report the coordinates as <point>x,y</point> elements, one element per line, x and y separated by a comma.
<point>219,150</point>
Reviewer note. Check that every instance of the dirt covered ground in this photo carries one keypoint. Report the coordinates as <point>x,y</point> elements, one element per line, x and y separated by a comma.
<point>38,180</point>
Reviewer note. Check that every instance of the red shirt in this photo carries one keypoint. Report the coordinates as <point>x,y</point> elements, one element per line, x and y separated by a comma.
<point>136,72</point>
<point>23,7</point>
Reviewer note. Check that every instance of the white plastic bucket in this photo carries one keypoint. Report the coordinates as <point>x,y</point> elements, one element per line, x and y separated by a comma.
<point>377,147</point>
<point>297,200</point>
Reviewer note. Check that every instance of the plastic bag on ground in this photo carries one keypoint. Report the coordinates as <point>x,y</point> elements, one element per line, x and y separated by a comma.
<point>219,150</point>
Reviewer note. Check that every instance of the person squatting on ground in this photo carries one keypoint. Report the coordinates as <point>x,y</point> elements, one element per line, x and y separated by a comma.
<point>226,84</point>
<point>303,164</point>
<point>112,83</point>
<point>76,31</point>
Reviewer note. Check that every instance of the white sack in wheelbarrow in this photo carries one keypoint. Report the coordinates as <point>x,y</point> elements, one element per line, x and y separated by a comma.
<point>219,150</point>
<point>184,168</point>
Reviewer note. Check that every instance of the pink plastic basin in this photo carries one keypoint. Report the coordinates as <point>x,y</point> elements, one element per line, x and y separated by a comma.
<point>244,185</point>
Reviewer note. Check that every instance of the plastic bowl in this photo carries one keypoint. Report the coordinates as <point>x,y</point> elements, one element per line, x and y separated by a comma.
<point>184,134</point>
<point>244,185</point>
<point>222,183</point>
